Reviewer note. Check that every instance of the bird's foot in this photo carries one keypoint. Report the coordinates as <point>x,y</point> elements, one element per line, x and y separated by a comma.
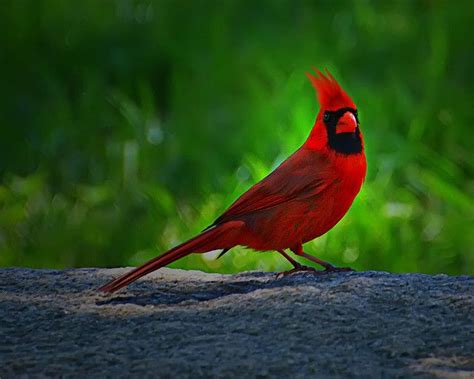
<point>300,268</point>
<point>296,269</point>
<point>331,268</point>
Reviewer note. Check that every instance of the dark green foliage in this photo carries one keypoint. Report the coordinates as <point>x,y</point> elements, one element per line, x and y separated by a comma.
<point>128,126</point>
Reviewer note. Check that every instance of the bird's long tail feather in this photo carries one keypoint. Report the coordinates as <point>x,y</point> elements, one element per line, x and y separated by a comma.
<point>215,238</point>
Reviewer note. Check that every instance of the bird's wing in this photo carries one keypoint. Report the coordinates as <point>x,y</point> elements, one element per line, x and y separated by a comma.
<point>305,173</point>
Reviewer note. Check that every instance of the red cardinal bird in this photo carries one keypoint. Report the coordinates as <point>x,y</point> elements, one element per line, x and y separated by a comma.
<point>300,200</point>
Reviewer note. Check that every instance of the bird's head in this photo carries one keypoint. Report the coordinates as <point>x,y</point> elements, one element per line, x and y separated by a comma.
<point>337,125</point>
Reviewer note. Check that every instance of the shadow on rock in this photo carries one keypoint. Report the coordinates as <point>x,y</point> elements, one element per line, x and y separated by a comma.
<point>197,292</point>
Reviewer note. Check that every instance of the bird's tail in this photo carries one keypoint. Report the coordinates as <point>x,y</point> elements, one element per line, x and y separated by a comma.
<point>220,236</point>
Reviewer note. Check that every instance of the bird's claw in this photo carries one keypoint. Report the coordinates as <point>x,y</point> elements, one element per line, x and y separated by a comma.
<point>338,269</point>
<point>301,268</point>
<point>297,269</point>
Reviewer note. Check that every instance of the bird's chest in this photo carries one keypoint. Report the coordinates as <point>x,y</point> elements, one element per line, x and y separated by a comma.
<point>340,197</point>
<point>349,174</point>
<point>334,202</point>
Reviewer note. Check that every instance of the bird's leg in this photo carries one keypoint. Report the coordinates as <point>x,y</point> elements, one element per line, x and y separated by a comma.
<point>291,260</point>
<point>327,266</point>
<point>297,267</point>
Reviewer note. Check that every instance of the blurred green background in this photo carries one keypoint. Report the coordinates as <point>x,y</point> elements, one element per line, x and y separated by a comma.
<point>127,126</point>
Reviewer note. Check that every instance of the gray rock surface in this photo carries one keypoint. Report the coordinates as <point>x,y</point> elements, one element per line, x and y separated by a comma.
<point>182,324</point>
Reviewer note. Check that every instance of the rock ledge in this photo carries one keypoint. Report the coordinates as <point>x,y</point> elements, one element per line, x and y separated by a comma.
<point>176,323</point>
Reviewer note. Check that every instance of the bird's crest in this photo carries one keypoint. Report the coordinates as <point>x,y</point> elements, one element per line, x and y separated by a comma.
<point>330,94</point>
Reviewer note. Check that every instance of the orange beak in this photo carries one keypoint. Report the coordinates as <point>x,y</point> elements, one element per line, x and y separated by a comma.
<point>346,124</point>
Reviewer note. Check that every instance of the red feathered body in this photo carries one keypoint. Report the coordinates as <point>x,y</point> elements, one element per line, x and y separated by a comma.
<point>300,200</point>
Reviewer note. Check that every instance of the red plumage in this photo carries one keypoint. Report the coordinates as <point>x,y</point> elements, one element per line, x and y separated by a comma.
<point>300,200</point>
<point>329,91</point>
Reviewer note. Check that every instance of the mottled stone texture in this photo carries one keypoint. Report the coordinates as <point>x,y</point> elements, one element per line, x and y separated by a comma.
<point>180,324</point>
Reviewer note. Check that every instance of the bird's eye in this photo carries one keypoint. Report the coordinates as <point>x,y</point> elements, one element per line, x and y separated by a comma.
<point>326,116</point>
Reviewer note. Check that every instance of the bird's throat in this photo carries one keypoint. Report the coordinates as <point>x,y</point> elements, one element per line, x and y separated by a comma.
<point>346,143</point>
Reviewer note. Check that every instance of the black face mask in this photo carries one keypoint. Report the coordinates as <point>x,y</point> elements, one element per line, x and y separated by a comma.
<point>344,143</point>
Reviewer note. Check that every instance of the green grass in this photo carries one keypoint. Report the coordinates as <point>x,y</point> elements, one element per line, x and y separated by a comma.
<point>128,126</point>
